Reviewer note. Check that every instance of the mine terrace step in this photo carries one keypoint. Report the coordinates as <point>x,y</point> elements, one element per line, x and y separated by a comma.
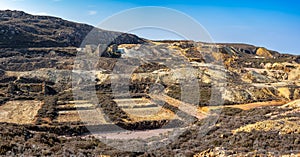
<point>132,95</point>
<point>143,111</point>
<point>95,116</point>
<point>73,102</point>
<point>136,106</point>
<point>135,103</point>
<point>75,107</point>
<point>130,100</point>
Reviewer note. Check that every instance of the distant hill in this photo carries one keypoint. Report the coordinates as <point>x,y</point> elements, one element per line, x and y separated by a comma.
<point>21,30</point>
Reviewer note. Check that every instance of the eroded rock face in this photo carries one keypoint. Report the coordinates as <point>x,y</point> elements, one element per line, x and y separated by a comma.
<point>254,77</point>
<point>264,53</point>
<point>235,95</point>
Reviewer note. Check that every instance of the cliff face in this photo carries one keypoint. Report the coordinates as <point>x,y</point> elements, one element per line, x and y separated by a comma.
<point>19,30</point>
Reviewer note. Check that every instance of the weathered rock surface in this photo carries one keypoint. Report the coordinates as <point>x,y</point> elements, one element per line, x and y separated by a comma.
<point>263,53</point>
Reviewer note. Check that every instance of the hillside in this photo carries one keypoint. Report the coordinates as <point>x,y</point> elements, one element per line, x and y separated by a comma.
<point>140,97</point>
<point>20,30</point>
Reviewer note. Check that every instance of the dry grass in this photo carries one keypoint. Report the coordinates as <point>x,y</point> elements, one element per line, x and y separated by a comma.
<point>284,126</point>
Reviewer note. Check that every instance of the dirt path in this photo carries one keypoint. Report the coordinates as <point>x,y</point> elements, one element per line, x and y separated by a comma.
<point>185,107</point>
<point>258,104</point>
<point>247,106</point>
<point>202,112</point>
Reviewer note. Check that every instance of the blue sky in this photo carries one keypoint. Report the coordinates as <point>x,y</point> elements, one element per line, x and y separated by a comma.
<point>271,24</point>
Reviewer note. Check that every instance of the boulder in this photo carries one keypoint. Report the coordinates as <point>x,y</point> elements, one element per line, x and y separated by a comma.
<point>232,95</point>
<point>268,66</point>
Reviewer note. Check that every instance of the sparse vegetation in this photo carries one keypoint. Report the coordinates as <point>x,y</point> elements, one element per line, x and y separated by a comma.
<point>38,54</point>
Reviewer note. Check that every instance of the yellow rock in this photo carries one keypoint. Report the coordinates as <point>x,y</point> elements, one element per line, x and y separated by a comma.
<point>285,92</point>
<point>263,53</point>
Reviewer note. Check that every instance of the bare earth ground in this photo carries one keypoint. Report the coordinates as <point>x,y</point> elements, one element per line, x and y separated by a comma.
<point>247,106</point>
<point>20,112</point>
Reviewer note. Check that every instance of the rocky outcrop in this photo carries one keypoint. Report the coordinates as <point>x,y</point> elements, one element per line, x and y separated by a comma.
<point>254,77</point>
<point>263,52</point>
<point>294,74</point>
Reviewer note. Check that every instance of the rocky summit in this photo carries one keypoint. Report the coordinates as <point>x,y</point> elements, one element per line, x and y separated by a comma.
<point>64,86</point>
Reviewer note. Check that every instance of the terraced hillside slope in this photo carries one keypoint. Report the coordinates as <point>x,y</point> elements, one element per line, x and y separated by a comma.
<point>53,103</point>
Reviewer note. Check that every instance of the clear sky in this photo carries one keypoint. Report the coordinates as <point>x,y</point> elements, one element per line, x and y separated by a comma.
<point>268,23</point>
